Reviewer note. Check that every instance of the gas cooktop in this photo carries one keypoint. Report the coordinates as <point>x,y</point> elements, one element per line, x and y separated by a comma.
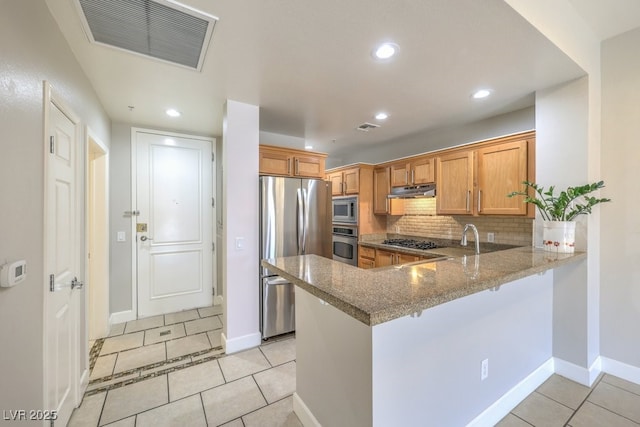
<point>411,243</point>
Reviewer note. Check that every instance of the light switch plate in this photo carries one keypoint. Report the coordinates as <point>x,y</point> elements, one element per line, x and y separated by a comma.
<point>121,236</point>
<point>239,243</point>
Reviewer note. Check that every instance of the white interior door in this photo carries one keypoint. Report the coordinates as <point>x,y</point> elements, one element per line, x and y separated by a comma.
<point>62,265</point>
<point>174,231</point>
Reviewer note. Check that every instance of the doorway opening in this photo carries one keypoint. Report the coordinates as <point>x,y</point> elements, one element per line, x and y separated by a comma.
<point>97,238</point>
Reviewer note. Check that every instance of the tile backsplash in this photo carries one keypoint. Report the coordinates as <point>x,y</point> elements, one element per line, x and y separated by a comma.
<point>420,219</point>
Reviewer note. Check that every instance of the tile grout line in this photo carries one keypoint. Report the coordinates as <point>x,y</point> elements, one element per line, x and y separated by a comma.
<point>591,390</point>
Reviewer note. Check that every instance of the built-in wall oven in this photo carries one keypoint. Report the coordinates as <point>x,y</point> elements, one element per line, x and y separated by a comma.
<point>345,243</point>
<point>345,209</point>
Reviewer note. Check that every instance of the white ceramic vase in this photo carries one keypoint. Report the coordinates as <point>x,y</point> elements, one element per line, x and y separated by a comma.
<point>559,236</point>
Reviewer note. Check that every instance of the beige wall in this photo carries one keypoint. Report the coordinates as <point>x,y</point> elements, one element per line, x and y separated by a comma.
<point>420,220</point>
<point>33,50</point>
<point>620,278</point>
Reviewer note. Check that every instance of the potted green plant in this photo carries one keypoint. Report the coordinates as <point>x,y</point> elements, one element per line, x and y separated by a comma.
<point>559,211</point>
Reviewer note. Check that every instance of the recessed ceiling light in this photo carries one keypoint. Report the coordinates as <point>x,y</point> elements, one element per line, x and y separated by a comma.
<point>173,113</point>
<point>381,116</point>
<point>386,50</point>
<point>482,93</point>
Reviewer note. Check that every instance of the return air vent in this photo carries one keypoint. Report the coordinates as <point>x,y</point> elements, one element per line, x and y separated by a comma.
<point>160,29</point>
<point>366,127</point>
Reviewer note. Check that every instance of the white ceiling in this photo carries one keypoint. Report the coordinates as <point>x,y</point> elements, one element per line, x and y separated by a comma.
<point>308,65</point>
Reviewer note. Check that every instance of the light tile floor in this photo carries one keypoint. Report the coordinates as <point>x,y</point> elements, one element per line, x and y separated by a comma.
<point>610,402</point>
<point>170,371</point>
<point>144,376</point>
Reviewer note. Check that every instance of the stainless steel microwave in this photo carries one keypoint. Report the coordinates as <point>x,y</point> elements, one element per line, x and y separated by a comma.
<point>345,209</point>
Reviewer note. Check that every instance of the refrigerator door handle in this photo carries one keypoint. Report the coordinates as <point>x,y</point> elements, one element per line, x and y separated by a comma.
<point>300,221</point>
<point>305,230</point>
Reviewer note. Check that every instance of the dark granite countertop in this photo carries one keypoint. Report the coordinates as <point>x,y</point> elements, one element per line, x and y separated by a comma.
<point>380,295</point>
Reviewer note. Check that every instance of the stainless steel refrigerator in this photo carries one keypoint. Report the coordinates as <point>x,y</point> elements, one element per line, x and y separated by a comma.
<point>295,219</point>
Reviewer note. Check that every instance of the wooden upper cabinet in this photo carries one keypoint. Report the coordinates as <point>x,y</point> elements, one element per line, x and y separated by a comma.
<point>501,170</point>
<point>382,205</point>
<point>420,170</point>
<point>423,170</point>
<point>351,178</point>
<point>290,162</point>
<point>274,162</point>
<point>345,182</point>
<point>308,166</point>
<point>476,181</point>
<point>336,183</point>
<point>381,190</point>
<point>455,183</point>
<point>399,173</point>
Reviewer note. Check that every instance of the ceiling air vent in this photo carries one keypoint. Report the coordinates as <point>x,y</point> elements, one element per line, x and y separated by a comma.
<point>366,127</point>
<point>160,29</point>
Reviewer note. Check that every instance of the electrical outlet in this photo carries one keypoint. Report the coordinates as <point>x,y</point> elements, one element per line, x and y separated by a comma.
<point>491,237</point>
<point>484,369</point>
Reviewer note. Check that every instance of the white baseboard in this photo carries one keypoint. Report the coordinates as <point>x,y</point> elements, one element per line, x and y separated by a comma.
<point>218,300</point>
<point>620,369</point>
<point>577,373</point>
<point>121,317</point>
<point>501,407</point>
<point>244,342</point>
<point>304,414</point>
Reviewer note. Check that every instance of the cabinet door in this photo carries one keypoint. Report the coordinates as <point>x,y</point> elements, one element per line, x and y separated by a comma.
<point>455,183</point>
<point>336,183</point>
<point>366,263</point>
<point>384,258</point>
<point>423,171</point>
<point>501,170</point>
<point>399,175</point>
<point>312,167</point>
<point>380,190</point>
<point>405,258</point>
<point>274,163</point>
<point>351,179</point>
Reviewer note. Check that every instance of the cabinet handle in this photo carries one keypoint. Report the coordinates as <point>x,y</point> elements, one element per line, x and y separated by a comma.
<point>468,198</point>
<point>386,205</point>
<point>479,201</point>
<point>296,171</point>
<point>391,259</point>
<point>406,177</point>
<point>288,166</point>
<point>413,181</point>
<point>344,187</point>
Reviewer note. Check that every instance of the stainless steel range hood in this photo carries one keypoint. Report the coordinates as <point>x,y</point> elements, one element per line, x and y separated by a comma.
<point>413,191</point>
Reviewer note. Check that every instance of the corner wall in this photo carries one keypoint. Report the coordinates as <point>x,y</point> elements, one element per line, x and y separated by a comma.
<point>620,275</point>
<point>33,49</point>
<point>240,266</point>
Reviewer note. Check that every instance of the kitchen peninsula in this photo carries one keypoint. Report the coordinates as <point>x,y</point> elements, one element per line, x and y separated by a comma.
<point>405,344</point>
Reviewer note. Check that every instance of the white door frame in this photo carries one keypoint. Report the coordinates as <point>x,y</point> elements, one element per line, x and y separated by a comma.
<point>81,375</point>
<point>134,197</point>
<point>97,294</point>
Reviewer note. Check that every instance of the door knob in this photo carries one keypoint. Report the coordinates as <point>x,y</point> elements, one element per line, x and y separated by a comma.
<point>145,238</point>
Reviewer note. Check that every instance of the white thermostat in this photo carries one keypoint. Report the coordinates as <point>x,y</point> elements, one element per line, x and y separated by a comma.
<point>13,273</point>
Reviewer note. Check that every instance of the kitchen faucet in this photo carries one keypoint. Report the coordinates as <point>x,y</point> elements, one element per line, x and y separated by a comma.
<point>463,241</point>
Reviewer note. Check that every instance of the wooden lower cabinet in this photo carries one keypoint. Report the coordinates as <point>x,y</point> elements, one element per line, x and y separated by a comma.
<point>385,258</point>
<point>366,257</point>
